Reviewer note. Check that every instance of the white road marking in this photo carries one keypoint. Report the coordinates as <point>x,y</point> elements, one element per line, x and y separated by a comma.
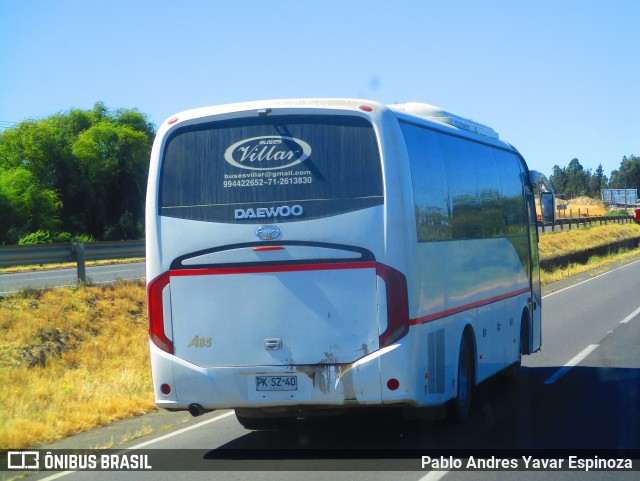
<point>182,431</point>
<point>119,271</point>
<point>156,440</point>
<point>589,349</point>
<point>590,279</point>
<point>630,316</point>
<point>572,363</point>
<point>46,278</point>
<point>434,475</point>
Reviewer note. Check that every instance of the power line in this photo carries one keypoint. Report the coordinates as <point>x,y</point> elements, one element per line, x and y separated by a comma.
<point>7,124</point>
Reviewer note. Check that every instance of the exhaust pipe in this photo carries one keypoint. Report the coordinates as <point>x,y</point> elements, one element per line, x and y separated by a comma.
<point>197,410</point>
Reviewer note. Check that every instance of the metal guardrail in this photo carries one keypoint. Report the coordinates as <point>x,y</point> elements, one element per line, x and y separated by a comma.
<point>79,253</point>
<point>584,221</point>
<point>70,252</point>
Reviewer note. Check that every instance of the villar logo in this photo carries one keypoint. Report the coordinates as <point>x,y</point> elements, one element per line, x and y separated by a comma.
<point>269,152</point>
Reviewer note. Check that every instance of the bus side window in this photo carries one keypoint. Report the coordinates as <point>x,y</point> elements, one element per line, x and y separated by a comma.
<point>511,182</point>
<point>491,219</point>
<point>430,191</point>
<point>463,184</point>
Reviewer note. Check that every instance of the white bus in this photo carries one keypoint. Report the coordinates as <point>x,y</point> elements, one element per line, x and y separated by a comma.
<point>308,256</point>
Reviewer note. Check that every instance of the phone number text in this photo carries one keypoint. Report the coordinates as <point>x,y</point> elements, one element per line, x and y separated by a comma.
<point>267,182</point>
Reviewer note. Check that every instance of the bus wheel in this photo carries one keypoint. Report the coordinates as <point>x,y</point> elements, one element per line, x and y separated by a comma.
<point>461,404</point>
<point>264,423</point>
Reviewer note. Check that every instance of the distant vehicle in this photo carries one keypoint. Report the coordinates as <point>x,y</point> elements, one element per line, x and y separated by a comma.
<point>624,197</point>
<point>308,256</point>
<point>555,207</point>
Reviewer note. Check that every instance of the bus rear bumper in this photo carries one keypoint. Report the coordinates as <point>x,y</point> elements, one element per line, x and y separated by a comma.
<point>310,386</point>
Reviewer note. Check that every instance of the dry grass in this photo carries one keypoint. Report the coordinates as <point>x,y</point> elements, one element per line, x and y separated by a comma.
<point>560,243</point>
<point>566,242</point>
<point>71,359</point>
<point>594,265</point>
<point>582,207</point>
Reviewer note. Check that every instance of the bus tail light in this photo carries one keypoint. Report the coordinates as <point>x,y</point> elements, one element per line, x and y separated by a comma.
<point>397,305</point>
<point>155,306</point>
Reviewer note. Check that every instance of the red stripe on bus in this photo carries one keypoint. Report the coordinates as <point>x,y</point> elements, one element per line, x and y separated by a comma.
<point>466,307</point>
<point>332,266</point>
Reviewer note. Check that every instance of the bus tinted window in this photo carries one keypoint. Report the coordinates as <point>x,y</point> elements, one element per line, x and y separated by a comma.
<point>324,165</point>
<point>491,220</point>
<point>430,190</point>
<point>463,189</point>
<point>513,210</point>
<point>463,185</point>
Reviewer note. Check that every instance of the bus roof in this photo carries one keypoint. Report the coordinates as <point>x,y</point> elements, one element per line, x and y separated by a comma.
<point>436,114</point>
<point>419,110</point>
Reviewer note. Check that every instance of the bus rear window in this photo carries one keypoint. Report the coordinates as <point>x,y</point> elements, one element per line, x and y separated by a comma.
<point>285,167</point>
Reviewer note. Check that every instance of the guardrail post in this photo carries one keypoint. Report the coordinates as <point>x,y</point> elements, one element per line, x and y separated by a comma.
<point>78,249</point>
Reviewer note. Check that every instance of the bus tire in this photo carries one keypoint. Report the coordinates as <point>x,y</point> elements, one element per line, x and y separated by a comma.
<point>461,404</point>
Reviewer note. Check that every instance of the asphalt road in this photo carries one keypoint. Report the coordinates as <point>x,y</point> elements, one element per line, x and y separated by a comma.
<point>68,277</point>
<point>580,395</point>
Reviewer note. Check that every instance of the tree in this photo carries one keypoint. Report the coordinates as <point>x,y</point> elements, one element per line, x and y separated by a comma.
<point>114,162</point>
<point>628,176</point>
<point>576,179</point>
<point>597,182</point>
<point>95,161</point>
<point>559,179</point>
<point>24,205</point>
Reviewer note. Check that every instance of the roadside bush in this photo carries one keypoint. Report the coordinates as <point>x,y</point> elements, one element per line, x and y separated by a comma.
<point>38,237</point>
<point>618,213</point>
<point>47,237</point>
<point>82,238</point>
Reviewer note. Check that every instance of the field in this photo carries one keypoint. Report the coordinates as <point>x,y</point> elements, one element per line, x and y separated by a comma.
<point>75,358</point>
<point>71,359</point>
<point>581,207</point>
<point>567,242</point>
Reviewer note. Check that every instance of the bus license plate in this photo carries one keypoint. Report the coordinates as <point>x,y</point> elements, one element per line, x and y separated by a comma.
<point>276,383</point>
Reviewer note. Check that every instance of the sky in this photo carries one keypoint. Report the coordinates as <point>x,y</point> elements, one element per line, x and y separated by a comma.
<point>558,79</point>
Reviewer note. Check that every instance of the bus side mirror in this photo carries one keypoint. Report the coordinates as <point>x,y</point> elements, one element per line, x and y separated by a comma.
<point>547,207</point>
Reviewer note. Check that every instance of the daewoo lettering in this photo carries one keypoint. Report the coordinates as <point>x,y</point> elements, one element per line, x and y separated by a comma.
<point>267,153</point>
<point>262,212</point>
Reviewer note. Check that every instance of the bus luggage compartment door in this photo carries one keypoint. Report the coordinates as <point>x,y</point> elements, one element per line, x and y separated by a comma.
<point>285,315</point>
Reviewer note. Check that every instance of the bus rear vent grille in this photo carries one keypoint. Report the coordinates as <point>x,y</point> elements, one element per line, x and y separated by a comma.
<point>435,362</point>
